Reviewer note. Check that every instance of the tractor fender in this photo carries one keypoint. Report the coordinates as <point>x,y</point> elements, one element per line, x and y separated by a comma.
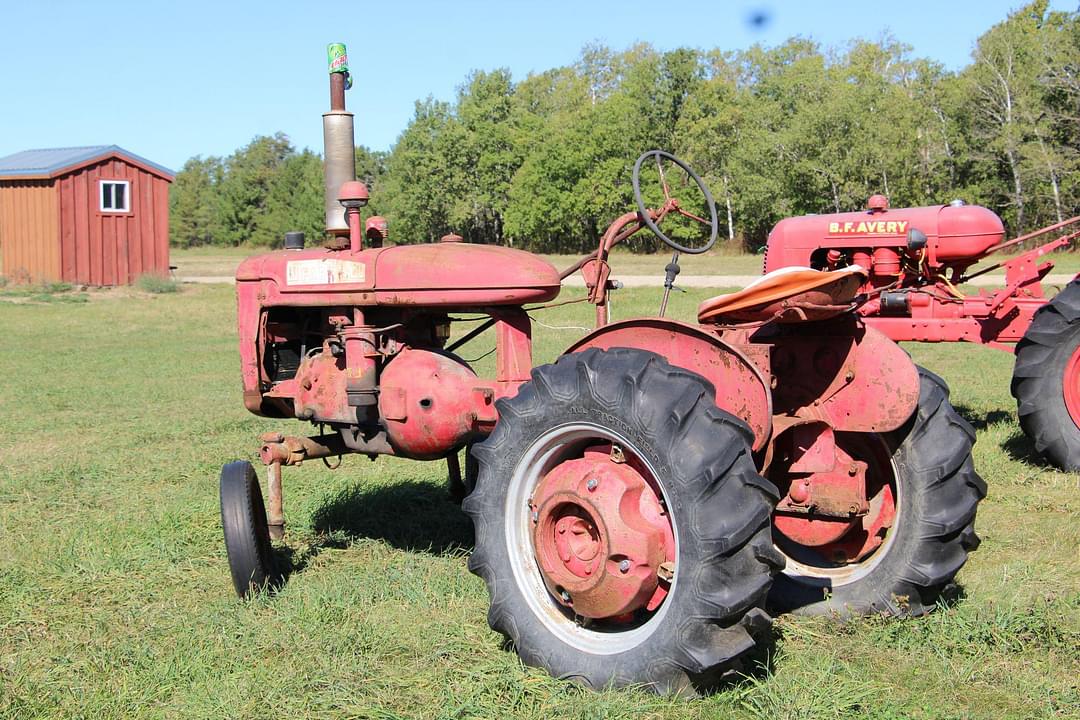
<point>740,387</point>
<point>854,378</point>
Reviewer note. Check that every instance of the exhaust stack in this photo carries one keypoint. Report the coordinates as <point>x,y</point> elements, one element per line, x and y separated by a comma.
<point>338,149</point>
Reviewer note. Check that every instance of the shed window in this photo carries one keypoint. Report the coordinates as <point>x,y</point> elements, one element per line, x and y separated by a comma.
<point>114,195</point>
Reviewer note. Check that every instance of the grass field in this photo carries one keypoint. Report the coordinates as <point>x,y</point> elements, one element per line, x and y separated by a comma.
<point>115,601</point>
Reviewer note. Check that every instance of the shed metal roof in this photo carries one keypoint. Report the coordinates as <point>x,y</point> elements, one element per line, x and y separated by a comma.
<point>51,162</point>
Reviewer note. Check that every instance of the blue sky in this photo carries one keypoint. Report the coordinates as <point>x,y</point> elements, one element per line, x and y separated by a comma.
<point>169,80</point>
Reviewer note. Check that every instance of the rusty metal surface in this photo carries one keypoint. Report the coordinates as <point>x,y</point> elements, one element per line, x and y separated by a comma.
<point>275,512</point>
<point>921,255</point>
<point>319,390</point>
<point>513,345</point>
<point>293,450</point>
<point>444,274</point>
<point>954,234</point>
<point>822,479</point>
<point>432,403</point>
<point>847,375</point>
<point>841,515</point>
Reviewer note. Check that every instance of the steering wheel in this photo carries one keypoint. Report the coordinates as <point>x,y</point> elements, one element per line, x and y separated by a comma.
<point>673,204</point>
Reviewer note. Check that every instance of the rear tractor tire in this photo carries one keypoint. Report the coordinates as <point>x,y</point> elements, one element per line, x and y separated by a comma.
<point>1046,379</point>
<point>899,559</point>
<point>621,526</point>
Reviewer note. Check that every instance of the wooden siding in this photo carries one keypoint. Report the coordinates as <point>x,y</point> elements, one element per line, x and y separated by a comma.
<point>28,231</point>
<point>103,248</point>
<point>55,229</point>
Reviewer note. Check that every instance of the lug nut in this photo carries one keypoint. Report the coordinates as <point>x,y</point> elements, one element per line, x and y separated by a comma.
<point>591,485</point>
<point>624,566</point>
<point>535,516</point>
<point>565,597</point>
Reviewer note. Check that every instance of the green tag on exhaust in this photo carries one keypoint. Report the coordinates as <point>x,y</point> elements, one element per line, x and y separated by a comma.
<point>337,58</point>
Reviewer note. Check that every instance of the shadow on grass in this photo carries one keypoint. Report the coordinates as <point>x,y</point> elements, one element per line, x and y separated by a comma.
<point>981,421</point>
<point>1017,446</point>
<point>792,598</point>
<point>412,516</point>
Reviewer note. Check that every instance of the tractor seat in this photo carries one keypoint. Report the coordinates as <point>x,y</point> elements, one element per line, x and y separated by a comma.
<point>791,294</point>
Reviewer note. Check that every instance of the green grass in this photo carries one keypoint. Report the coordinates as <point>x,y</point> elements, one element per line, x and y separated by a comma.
<point>156,284</point>
<point>115,598</point>
<point>47,292</point>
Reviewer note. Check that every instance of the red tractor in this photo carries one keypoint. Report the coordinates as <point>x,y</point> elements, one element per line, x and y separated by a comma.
<point>916,257</point>
<point>635,501</point>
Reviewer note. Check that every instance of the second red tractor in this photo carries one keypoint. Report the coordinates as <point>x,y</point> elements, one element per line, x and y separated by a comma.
<point>916,258</point>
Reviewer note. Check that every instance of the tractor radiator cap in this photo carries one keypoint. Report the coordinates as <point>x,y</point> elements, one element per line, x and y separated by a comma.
<point>294,240</point>
<point>957,203</point>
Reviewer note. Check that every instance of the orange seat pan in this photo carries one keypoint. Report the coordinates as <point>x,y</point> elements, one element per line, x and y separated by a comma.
<point>786,288</point>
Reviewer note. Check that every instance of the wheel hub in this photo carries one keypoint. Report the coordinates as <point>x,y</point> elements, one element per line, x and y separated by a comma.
<point>600,535</point>
<point>840,540</point>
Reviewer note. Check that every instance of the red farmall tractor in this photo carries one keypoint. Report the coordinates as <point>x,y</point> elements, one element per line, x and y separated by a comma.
<point>916,257</point>
<point>635,501</point>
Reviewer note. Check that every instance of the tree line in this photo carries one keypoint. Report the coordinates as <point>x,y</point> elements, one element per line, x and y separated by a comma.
<point>544,163</point>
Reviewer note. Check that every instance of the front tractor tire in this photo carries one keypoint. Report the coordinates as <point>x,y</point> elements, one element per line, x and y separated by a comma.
<point>621,526</point>
<point>1046,379</point>
<point>898,560</point>
<point>247,534</point>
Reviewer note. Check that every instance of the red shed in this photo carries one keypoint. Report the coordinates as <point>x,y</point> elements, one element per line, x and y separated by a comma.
<point>87,215</point>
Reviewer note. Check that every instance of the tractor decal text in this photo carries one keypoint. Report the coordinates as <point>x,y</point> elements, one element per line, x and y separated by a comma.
<point>879,227</point>
<point>323,272</point>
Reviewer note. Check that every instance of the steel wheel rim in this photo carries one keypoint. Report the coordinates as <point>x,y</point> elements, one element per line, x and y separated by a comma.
<point>544,453</point>
<point>839,575</point>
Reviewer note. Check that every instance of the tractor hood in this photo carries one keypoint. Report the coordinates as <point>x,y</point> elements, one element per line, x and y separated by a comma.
<point>448,273</point>
<point>955,232</point>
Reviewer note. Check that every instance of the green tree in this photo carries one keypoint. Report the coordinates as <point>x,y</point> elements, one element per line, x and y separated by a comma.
<point>1022,91</point>
<point>487,157</point>
<point>293,201</point>
<point>420,184</point>
<point>194,210</point>
<point>244,190</point>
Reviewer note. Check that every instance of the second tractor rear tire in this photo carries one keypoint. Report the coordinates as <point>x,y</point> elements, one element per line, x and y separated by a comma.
<point>937,493</point>
<point>1046,379</point>
<point>665,420</point>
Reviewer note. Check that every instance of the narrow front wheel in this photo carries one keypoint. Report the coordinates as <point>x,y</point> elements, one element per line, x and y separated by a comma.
<point>247,534</point>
